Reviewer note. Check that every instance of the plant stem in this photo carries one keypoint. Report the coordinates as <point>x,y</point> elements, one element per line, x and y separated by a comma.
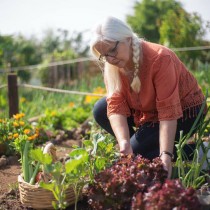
<point>25,162</point>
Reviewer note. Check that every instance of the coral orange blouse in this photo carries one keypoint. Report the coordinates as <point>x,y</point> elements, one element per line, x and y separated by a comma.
<point>167,88</point>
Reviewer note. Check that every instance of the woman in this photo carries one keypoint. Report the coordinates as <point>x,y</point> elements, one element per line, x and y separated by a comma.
<point>147,87</point>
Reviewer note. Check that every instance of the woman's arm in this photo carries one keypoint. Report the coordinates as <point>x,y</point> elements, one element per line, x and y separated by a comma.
<point>120,128</point>
<point>167,137</point>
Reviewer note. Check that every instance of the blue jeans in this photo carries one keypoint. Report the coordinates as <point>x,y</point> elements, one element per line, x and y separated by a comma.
<point>145,139</point>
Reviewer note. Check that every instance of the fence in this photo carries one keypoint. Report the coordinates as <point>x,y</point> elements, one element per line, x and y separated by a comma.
<point>13,98</point>
<point>13,92</point>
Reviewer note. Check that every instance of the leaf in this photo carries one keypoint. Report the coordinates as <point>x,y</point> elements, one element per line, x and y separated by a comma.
<point>88,144</point>
<point>38,155</point>
<point>73,164</point>
<point>47,186</point>
<point>100,163</point>
<point>109,147</point>
<point>56,170</point>
<point>79,153</point>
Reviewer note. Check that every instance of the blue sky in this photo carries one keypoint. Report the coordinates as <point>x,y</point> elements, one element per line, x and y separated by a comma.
<point>32,17</point>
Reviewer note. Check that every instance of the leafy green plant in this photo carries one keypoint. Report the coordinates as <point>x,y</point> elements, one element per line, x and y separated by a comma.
<point>66,119</point>
<point>191,173</point>
<point>56,172</point>
<point>23,145</point>
<point>96,154</point>
<point>34,102</point>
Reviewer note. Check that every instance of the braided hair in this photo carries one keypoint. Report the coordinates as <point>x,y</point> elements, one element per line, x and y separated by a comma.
<point>136,84</point>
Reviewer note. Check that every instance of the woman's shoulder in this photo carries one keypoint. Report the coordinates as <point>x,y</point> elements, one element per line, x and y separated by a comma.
<point>155,50</point>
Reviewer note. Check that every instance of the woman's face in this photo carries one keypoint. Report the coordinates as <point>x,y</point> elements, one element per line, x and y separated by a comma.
<point>116,53</point>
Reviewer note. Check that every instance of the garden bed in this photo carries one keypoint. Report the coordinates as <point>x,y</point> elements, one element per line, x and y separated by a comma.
<point>10,169</point>
<point>9,194</point>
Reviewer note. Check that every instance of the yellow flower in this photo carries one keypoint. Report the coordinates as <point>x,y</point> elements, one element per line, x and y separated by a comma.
<point>15,124</point>
<point>18,116</point>
<point>22,115</point>
<point>22,123</point>
<point>88,99</point>
<point>3,121</point>
<point>26,131</point>
<point>98,90</point>
<point>15,135</point>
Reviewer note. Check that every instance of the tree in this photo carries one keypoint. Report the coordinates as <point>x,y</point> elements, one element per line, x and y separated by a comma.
<point>6,50</point>
<point>181,29</point>
<point>18,51</point>
<point>58,46</point>
<point>166,22</point>
<point>55,46</point>
<point>26,52</point>
<point>148,15</point>
<point>62,40</point>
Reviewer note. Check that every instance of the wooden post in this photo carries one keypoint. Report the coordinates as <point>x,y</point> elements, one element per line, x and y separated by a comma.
<point>12,94</point>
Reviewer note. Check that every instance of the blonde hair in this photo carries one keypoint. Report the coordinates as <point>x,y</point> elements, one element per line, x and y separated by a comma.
<point>113,29</point>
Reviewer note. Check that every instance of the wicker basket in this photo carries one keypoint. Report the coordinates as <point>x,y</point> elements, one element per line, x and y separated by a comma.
<point>36,197</point>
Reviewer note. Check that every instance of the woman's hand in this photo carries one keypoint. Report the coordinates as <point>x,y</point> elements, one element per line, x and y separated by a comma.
<point>167,136</point>
<point>167,164</point>
<point>125,147</point>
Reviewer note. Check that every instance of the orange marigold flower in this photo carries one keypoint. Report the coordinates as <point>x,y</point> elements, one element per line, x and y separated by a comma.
<point>33,137</point>
<point>18,116</point>
<point>71,104</point>
<point>26,131</point>
<point>15,135</point>
<point>30,138</point>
